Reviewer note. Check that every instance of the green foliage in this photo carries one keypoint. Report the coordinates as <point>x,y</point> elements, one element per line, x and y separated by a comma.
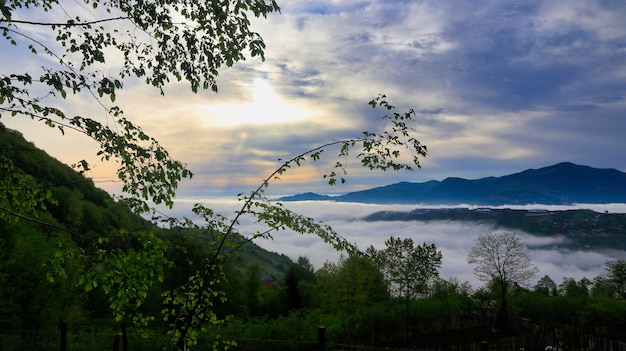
<point>574,307</point>
<point>126,273</point>
<point>453,302</point>
<point>604,315</point>
<point>299,280</point>
<point>352,283</point>
<point>252,288</point>
<point>122,272</point>
<point>38,272</point>
<point>617,277</point>
<point>20,192</point>
<point>546,286</point>
<point>408,268</point>
<point>349,290</point>
<point>21,195</point>
<point>188,40</point>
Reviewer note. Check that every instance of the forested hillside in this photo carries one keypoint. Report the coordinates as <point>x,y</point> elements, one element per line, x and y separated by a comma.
<point>47,247</point>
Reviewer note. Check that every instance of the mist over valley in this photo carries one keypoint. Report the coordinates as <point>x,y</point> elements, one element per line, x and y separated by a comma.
<point>555,255</point>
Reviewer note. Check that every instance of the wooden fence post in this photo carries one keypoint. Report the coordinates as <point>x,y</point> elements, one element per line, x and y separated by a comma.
<point>63,332</point>
<point>124,338</point>
<point>484,346</point>
<point>321,338</point>
<point>116,342</point>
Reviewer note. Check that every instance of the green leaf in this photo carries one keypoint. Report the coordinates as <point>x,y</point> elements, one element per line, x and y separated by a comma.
<point>6,11</point>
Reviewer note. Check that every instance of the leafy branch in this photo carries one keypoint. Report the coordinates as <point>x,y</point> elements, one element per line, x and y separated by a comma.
<point>209,36</point>
<point>189,307</point>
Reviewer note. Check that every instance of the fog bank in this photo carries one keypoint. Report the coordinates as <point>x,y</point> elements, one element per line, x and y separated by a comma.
<point>454,239</point>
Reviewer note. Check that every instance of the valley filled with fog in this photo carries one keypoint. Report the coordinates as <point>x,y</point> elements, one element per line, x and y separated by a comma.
<point>453,239</point>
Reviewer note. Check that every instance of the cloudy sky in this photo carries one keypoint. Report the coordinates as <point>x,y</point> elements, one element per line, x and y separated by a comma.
<point>498,87</point>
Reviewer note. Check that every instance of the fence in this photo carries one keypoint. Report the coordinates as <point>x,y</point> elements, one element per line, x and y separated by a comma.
<point>64,340</point>
<point>454,340</point>
<point>484,338</point>
<point>53,340</point>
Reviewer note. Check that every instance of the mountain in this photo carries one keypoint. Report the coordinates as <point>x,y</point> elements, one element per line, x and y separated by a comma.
<point>561,184</point>
<point>307,197</point>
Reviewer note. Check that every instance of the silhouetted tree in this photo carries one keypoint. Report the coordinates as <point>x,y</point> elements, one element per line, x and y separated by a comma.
<point>502,260</point>
<point>546,286</point>
<point>408,268</point>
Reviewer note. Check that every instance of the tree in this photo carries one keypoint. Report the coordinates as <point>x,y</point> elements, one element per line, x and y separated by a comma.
<point>158,42</point>
<point>576,295</point>
<point>348,289</point>
<point>306,265</point>
<point>408,268</point>
<point>602,287</point>
<point>502,260</point>
<point>252,286</point>
<point>573,289</point>
<point>617,277</point>
<point>297,279</point>
<point>34,293</point>
<point>161,42</point>
<point>457,298</point>
<point>546,286</point>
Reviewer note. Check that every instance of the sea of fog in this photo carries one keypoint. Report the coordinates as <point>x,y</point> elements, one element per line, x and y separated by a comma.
<point>453,239</point>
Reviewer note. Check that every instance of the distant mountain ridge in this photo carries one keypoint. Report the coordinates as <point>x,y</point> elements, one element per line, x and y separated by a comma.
<point>561,184</point>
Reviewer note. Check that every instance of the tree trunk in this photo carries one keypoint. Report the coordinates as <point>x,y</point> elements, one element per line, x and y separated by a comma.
<point>503,316</point>
<point>406,321</point>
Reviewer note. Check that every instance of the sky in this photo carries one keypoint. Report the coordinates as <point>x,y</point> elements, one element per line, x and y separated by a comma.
<point>498,87</point>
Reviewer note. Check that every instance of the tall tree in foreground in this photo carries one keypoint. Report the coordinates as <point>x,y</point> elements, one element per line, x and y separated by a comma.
<point>617,277</point>
<point>408,268</point>
<point>348,289</point>
<point>501,260</point>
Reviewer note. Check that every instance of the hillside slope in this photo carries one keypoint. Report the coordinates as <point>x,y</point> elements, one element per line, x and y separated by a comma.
<point>77,204</point>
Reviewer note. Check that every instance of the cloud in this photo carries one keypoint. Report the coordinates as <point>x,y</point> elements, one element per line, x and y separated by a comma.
<point>498,87</point>
<point>453,239</point>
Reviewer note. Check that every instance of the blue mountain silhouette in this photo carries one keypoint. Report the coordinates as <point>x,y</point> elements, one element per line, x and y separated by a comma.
<point>561,184</point>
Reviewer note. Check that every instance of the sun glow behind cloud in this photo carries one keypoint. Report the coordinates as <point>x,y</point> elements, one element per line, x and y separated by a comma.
<point>499,87</point>
<point>265,106</point>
